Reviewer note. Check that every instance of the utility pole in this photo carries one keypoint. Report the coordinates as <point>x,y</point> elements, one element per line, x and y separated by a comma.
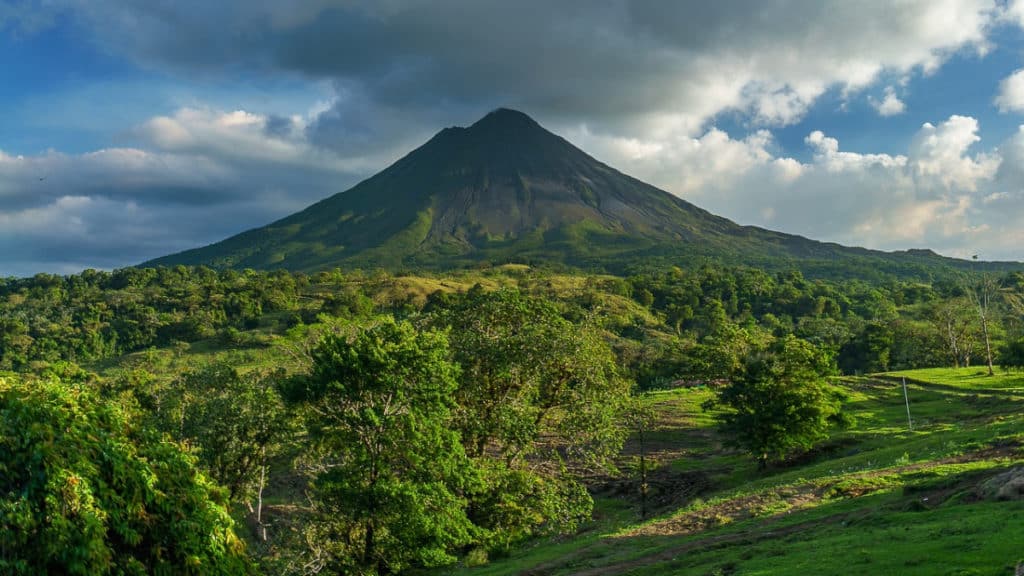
<point>643,476</point>
<point>906,398</point>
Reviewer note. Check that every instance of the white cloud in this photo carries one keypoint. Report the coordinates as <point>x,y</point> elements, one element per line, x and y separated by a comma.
<point>688,166</point>
<point>939,194</point>
<point>890,104</point>
<point>940,155</point>
<point>245,136</point>
<point>1014,12</point>
<point>1011,93</point>
<point>828,156</point>
<point>198,176</point>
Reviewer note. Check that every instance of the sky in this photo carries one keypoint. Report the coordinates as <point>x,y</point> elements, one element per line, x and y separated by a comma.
<point>130,130</point>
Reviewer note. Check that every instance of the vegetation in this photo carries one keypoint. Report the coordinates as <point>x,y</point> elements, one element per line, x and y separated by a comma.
<point>874,498</point>
<point>391,476</point>
<point>777,401</point>
<point>85,490</point>
<point>524,410</point>
<point>354,422</point>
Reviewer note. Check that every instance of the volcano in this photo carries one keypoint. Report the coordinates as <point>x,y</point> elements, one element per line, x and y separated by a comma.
<point>506,190</point>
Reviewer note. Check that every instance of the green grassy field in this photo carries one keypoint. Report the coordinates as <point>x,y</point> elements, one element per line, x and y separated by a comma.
<point>876,498</point>
<point>974,378</point>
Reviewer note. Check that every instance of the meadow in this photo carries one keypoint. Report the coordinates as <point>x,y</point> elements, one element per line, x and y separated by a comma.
<point>877,498</point>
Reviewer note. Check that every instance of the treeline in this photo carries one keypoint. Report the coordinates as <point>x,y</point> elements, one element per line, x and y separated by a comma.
<point>652,318</point>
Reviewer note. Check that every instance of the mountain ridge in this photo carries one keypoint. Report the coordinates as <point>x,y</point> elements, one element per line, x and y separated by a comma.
<point>505,189</point>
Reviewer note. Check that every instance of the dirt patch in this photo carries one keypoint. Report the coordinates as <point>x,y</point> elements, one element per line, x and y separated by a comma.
<point>730,511</point>
<point>742,537</point>
<point>667,489</point>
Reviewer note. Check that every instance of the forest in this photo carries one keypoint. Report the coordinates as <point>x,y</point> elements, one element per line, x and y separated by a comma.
<point>187,420</point>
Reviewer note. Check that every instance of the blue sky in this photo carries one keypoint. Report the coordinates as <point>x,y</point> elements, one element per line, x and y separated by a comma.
<point>131,130</point>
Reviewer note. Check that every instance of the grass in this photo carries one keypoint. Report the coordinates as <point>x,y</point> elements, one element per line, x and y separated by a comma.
<point>876,498</point>
<point>970,378</point>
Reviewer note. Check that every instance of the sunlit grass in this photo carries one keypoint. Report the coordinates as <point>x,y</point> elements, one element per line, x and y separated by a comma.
<point>877,498</point>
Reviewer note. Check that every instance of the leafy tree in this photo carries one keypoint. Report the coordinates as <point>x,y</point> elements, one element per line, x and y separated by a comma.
<point>391,482</point>
<point>870,351</point>
<point>85,490</point>
<point>1011,355</point>
<point>538,397</point>
<point>236,422</point>
<point>777,400</point>
<point>953,321</point>
<point>528,373</point>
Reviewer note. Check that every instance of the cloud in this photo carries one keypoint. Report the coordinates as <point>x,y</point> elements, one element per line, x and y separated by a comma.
<point>889,105</point>
<point>940,194</point>
<point>625,63</point>
<point>1011,93</point>
<point>940,157</point>
<point>241,135</point>
<point>196,176</point>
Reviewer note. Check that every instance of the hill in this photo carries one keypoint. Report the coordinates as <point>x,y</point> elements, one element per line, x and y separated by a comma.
<point>876,499</point>
<point>505,190</point>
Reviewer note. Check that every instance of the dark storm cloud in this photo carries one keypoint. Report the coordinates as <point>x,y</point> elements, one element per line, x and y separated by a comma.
<point>279,126</point>
<point>571,60</point>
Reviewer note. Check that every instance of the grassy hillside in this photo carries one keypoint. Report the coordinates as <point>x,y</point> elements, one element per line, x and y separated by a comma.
<point>876,499</point>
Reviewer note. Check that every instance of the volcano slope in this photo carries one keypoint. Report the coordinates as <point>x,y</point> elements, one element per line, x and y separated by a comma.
<point>506,190</point>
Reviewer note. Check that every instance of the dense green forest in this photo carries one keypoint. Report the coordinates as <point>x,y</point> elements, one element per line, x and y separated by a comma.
<point>653,319</point>
<point>187,420</point>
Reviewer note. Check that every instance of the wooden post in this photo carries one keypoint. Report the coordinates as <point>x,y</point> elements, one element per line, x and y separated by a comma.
<point>643,475</point>
<point>906,398</point>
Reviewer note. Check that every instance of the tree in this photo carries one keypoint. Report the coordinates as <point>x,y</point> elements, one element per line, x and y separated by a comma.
<point>983,292</point>
<point>392,476</point>
<point>539,399</point>
<point>237,422</point>
<point>777,401</point>
<point>528,373</point>
<point>952,321</point>
<point>85,490</point>
<point>870,351</point>
<point>1011,355</point>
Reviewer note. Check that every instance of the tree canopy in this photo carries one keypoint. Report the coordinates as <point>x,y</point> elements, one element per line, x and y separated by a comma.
<point>85,490</point>
<point>392,478</point>
<point>777,400</point>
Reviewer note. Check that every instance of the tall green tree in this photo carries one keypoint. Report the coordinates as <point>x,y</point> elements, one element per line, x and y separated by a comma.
<point>778,400</point>
<point>236,423</point>
<point>539,400</point>
<point>85,490</point>
<point>393,474</point>
<point>528,374</point>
